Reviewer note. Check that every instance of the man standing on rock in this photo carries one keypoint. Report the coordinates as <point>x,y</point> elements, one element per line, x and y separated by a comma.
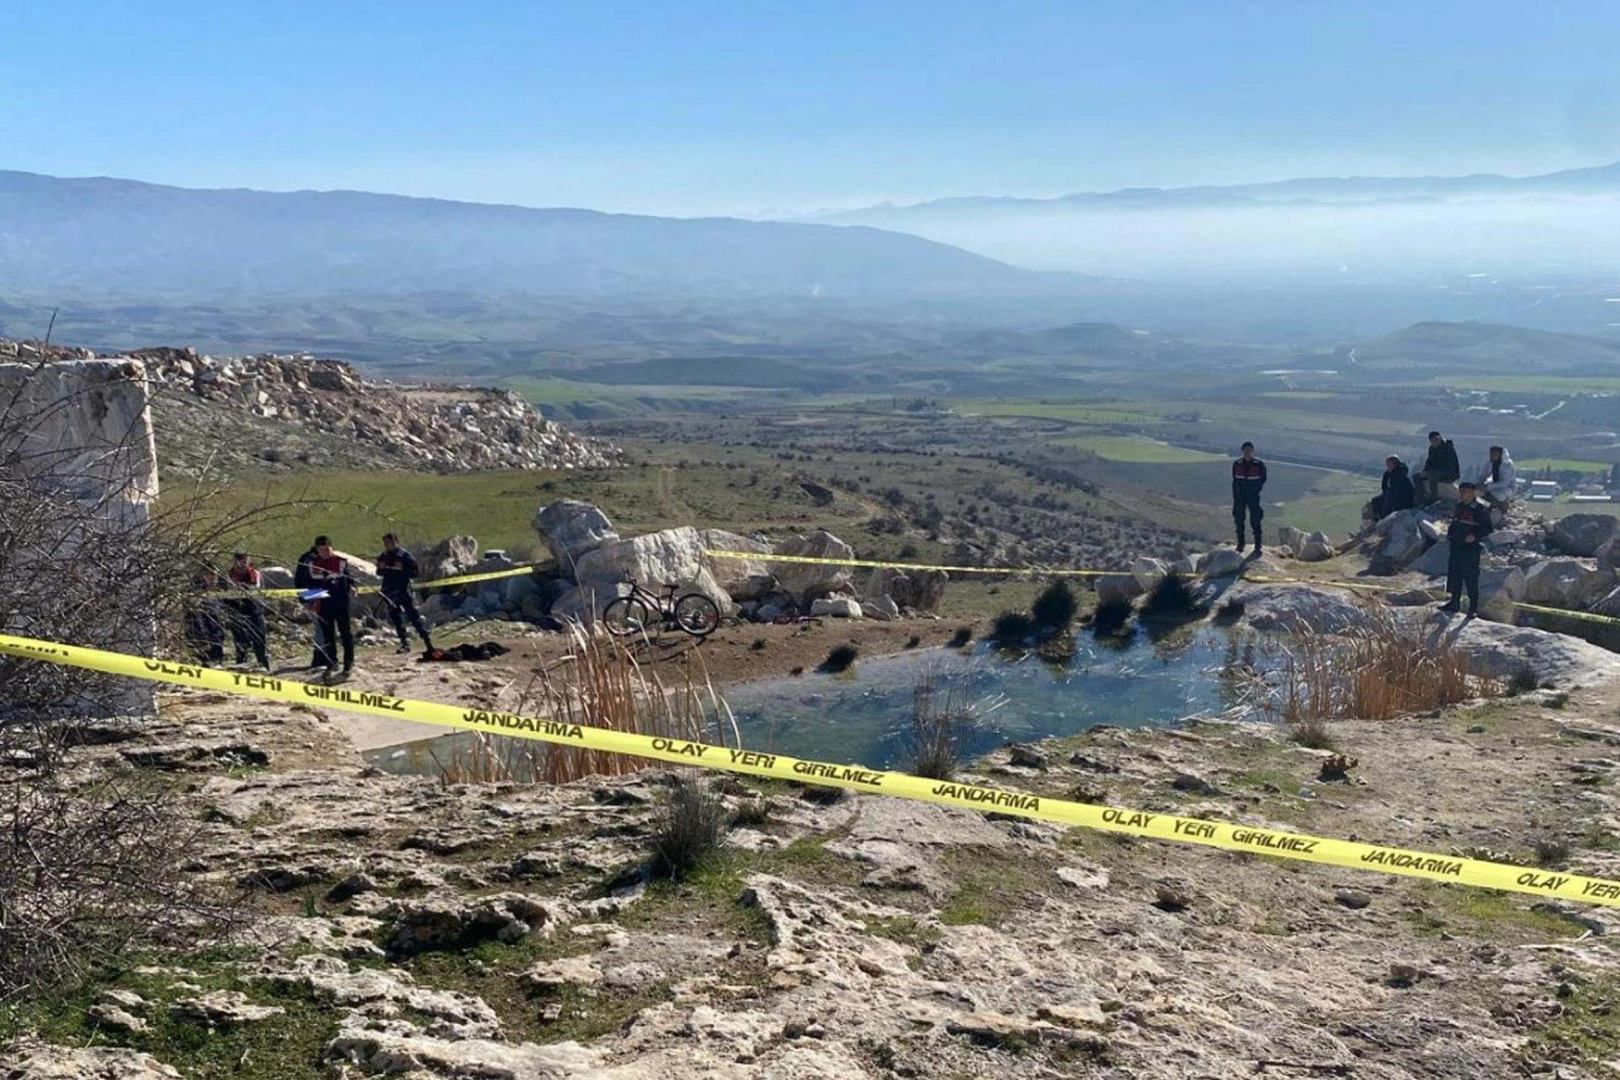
<point>330,572</point>
<point>1470,525</point>
<point>1248,478</point>
<point>398,569</point>
<point>1440,466</point>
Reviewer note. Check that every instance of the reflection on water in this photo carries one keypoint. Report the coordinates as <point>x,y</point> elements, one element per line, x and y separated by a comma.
<point>863,716</point>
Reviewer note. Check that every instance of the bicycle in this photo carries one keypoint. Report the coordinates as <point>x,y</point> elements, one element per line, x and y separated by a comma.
<point>693,612</point>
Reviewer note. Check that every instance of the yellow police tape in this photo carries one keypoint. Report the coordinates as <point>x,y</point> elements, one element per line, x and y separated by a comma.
<point>1589,616</point>
<point>459,579</point>
<point>1217,834</point>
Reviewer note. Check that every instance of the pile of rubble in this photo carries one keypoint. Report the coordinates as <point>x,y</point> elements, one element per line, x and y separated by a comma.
<point>273,404</point>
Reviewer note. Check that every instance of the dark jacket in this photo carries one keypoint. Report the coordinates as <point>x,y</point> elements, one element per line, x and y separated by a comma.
<point>1248,477</point>
<point>1441,465</point>
<point>397,569</point>
<point>1469,519</point>
<point>302,578</point>
<point>1397,490</point>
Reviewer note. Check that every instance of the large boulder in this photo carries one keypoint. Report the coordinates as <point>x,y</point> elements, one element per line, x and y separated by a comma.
<point>1223,562</point>
<point>1148,572</point>
<point>839,607</point>
<point>1567,583</point>
<point>1291,538</point>
<point>1432,563</point>
<point>449,557</point>
<point>1499,587</point>
<point>571,528</point>
<point>653,560</point>
<point>1113,588</point>
<point>1609,605</point>
<point>1316,547</point>
<point>807,582</point>
<point>1295,608</point>
<point>733,574</point>
<point>917,590</point>
<point>1582,535</point>
<point>1400,539</point>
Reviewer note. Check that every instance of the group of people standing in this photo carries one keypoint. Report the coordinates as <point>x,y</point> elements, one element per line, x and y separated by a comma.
<point>1492,489</point>
<point>326,586</point>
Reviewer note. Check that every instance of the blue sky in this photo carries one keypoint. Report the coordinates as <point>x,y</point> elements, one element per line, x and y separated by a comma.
<point>709,107</point>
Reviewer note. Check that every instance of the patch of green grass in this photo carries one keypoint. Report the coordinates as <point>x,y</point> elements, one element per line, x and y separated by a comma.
<point>283,1047</point>
<point>903,929</point>
<point>1587,1032</point>
<point>1283,781</point>
<point>1487,915</point>
<point>992,885</point>
<point>1135,449</point>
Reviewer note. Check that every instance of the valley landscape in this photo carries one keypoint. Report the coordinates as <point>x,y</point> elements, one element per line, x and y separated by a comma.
<point>952,468</point>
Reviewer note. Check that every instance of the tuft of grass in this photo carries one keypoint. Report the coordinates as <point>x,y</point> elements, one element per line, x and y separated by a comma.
<point>913,641</point>
<point>1054,610</point>
<point>1111,617</point>
<point>963,635</point>
<point>688,831</point>
<point>938,722</point>
<point>840,658</point>
<point>751,814</point>
<point>1172,598</point>
<point>759,645</point>
<point>1522,681</point>
<point>1012,629</point>
<point>1312,733</point>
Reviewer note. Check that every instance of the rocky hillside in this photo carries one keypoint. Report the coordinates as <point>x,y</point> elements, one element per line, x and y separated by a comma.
<point>268,412</point>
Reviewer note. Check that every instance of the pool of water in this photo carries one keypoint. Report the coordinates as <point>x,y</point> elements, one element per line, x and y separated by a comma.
<point>865,716</point>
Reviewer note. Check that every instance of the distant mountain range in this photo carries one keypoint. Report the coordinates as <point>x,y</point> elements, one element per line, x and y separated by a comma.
<point>121,237</point>
<point>1597,180</point>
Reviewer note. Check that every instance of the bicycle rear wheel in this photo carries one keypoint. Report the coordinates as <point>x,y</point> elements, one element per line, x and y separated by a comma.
<point>627,615</point>
<point>697,615</point>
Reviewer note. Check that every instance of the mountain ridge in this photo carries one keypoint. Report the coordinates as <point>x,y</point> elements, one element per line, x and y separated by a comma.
<point>99,234</point>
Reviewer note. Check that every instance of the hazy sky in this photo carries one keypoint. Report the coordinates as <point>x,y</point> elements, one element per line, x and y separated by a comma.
<point>708,107</point>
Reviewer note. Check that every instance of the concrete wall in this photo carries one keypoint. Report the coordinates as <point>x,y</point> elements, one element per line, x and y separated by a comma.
<point>82,429</point>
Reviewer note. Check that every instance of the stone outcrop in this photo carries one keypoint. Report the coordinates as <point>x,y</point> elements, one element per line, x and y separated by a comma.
<point>1582,535</point>
<point>81,430</point>
<point>811,581</point>
<point>570,528</point>
<point>1567,583</point>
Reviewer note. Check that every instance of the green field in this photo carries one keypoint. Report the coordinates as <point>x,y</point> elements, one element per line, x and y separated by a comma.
<point>1532,384</point>
<point>356,508</point>
<point>1136,449</point>
<point>1074,412</point>
<point>1533,465</point>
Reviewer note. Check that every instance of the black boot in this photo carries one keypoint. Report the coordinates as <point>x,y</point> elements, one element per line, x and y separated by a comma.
<point>1240,543</point>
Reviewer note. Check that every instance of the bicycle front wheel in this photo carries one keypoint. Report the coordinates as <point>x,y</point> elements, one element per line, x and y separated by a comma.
<point>697,614</point>
<point>627,615</point>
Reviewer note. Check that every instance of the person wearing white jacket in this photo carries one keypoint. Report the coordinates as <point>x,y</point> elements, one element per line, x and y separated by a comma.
<point>1497,479</point>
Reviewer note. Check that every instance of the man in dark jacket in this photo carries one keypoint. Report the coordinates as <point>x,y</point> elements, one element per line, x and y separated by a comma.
<point>1439,467</point>
<point>1470,525</point>
<point>1248,478</point>
<point>330,572</point>
<point>1394,490</point>
<point>398,569</point>
<point>303,580</point>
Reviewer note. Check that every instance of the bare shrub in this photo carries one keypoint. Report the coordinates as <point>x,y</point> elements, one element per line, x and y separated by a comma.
<point>1312,733</point>
<point>941,720</point>
<point>1011,629</point>
<point>688,830</point>
<point>1112,615</point>
<point>90,871</point>
<point>599,684</point>
<point>90,860</point>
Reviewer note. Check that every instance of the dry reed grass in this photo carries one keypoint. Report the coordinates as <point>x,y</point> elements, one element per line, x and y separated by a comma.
<point>1377,672</point>
<point>599,684</point>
